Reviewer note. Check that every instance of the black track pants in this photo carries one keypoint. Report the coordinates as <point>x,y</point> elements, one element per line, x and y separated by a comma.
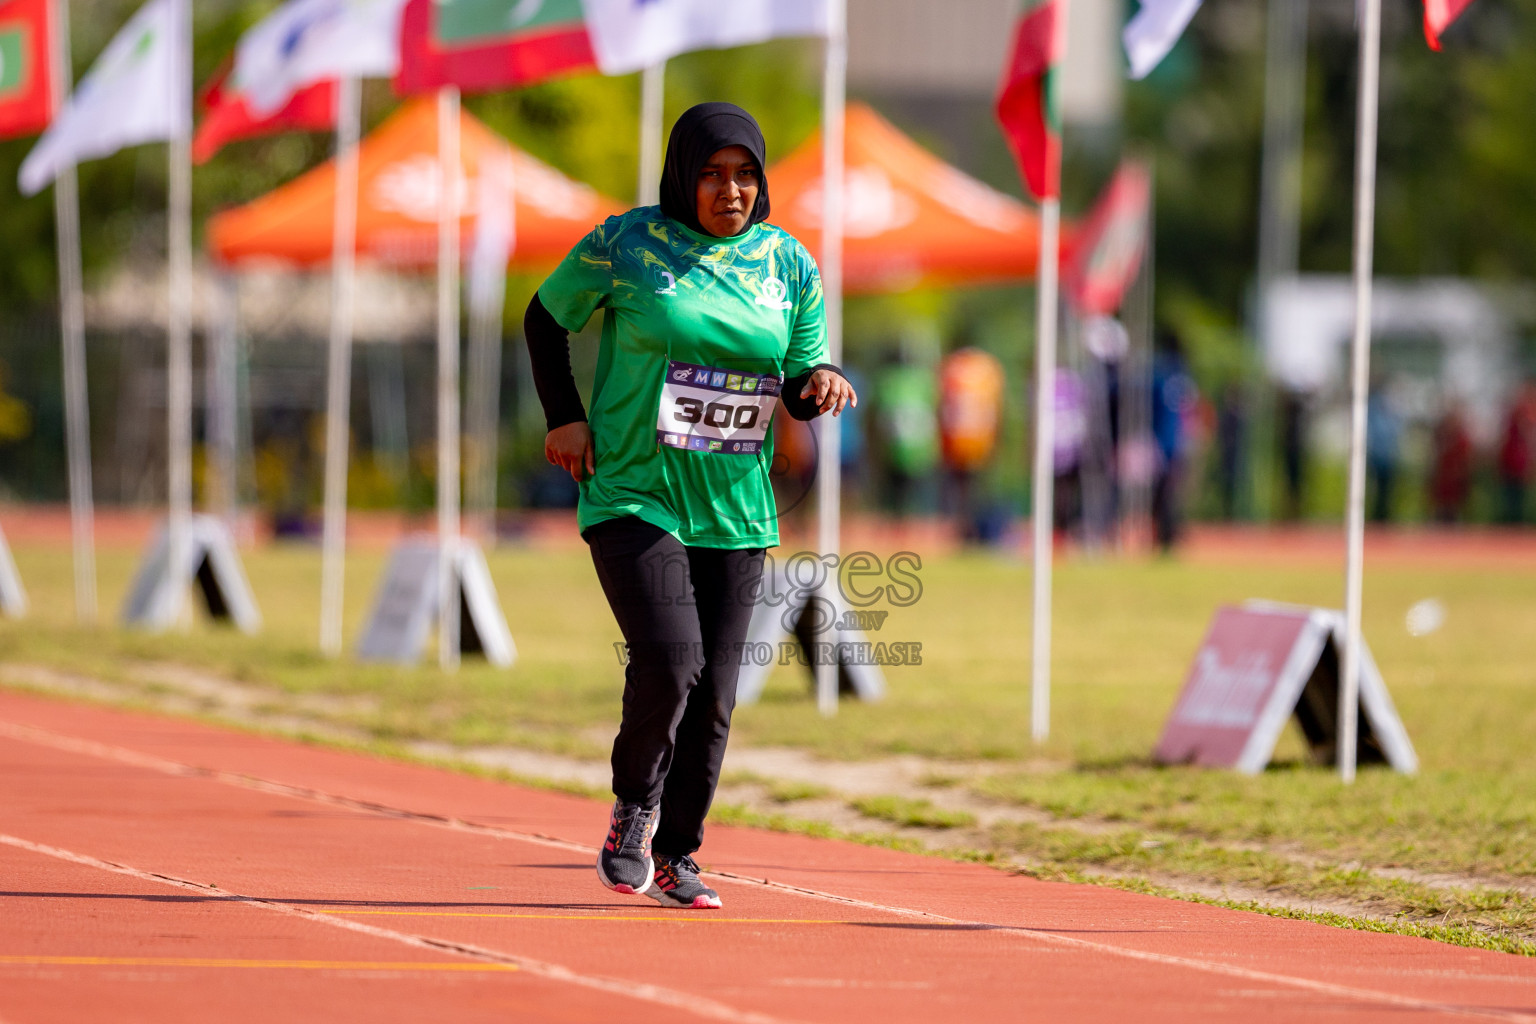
<point>684,612</point>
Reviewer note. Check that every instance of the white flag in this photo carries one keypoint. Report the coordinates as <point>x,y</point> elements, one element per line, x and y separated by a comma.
<point>139,90</point>
<point>628,35</point>
<point>309,41</point>
<point>1153,31</point>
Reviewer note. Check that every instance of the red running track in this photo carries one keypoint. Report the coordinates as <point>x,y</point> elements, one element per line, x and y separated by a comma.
<point>159,870</point>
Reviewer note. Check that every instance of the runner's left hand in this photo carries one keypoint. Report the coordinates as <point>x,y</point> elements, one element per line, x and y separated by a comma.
<point>832,392</point>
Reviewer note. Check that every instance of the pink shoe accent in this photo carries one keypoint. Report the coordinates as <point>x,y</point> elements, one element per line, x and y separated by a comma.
<point>626,890</point>
<point>705,903</point>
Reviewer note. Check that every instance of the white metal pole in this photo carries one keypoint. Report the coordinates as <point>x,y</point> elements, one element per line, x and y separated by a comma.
<point>1136,377</point>
<point>1360,365</point>
<point>829,441</point>
<point>179,334</point>
<point>482,412</point>
<point>222,378</point>
<point>1044,487</point>
<point>653,90</point>
<point>1285,72</point>
<point>339,371</point>
<point>1044,501</point>
<point>450,174</point>
<point>77,414</point>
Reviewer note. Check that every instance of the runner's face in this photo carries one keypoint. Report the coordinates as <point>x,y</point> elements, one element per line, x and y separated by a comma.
<point>727,191</point>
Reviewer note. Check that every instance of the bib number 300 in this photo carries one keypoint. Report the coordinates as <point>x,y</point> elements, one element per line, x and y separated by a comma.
<point>712,410</point>
<point>720,415</point>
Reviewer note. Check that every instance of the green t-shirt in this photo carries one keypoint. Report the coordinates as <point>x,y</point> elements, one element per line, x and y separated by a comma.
<point>672,296</point>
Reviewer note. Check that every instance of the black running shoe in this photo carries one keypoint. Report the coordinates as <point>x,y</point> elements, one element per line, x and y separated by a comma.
<point>677,885</point>
<point>624,863</point>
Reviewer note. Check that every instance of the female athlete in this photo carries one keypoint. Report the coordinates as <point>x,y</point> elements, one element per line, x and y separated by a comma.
<point>710,317</point>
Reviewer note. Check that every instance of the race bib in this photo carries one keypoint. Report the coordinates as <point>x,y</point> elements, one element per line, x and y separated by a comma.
<point>707,409</point>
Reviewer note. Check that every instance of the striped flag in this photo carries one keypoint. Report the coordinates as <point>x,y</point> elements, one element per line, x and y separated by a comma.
<point>1438,15</point>
<point>1027,104</point>
<point>309,41</point>
<point>227,115</point>
<point>26,102</point>
<point>483,45</point>
<point>1109,249</point>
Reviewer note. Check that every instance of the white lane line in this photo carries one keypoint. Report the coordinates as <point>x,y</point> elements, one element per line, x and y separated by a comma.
<point>682,1001</point>
<point>68,743</point>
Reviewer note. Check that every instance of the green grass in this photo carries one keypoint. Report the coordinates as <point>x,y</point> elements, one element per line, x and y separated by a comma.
<point>909,812</point>
<point>1124,634</point>
<point>791,792</point>
<point>1148,854</point>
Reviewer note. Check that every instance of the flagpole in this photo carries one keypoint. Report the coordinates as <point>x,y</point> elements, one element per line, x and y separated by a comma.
<point>653,90</point>
<point>487,298</point>
<point>1285,71</point>
<point>77,422</point>
<point>339,370</point>
<point>223,389</point>
<point>1044,502</point>
<point>1043,514</point>
<point>449,173</point>
<point>1365,222</point>
<point>829,440</point>
<point>179,334</point>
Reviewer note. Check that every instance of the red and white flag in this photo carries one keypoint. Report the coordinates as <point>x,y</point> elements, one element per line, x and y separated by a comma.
<point>1438,15</point>
<point>227,115</point>
<point>1109,249</point>
<point>309,41</point>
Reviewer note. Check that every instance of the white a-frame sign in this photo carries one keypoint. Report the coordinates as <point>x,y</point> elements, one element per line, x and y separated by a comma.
<point>407,606</point>
<point>786,610</point>
<point>13,599</point>
<point>156,599</point>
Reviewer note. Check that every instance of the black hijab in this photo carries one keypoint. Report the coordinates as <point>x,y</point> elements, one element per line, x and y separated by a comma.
<point>699,134</point>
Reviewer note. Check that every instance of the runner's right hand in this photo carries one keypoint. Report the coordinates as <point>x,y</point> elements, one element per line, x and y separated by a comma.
<point>570,448</point>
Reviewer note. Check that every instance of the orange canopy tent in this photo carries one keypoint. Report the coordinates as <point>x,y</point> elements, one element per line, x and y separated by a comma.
<point>910,219</point>
<point>398,190</point>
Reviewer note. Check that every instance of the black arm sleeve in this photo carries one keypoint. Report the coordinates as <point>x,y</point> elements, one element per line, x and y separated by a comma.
<point>549,352</point>
<point>802,408</point>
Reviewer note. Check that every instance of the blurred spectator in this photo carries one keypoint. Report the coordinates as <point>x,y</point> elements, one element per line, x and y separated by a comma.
<point>1292,414</point>
<point>970,411</point>
<point>1231,435</point>
<point>1173,393</point>
<point>1515,451</point>
<point>905,415</point>
<point>1383,439</point>
<point>1070,437</point>
<point>1450,479</point>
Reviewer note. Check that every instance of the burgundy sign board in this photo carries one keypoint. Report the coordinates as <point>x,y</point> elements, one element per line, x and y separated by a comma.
<point>1259,665</point>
